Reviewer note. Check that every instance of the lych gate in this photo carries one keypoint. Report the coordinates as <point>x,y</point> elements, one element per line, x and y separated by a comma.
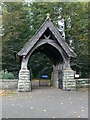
<point>48,40</point>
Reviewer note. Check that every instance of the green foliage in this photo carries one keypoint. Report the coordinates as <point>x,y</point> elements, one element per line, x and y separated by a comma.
<point>15,35</point>
<point>21,21</point>
<point>40,66</point>
<point>7,75</point>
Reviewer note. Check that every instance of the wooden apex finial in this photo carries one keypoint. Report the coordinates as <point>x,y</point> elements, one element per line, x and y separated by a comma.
<point>48,16</point>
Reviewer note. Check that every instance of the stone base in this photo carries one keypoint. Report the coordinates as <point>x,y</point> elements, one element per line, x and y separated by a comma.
<point>69,83</point>
<point>24,83</point>
<point>24,86</point>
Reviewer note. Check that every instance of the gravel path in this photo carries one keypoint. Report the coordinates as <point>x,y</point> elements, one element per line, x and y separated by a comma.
<point>46,102</point>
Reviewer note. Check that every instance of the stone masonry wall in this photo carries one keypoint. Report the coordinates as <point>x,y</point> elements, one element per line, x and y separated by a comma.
<point>69,83</point>
<point>8,84</point>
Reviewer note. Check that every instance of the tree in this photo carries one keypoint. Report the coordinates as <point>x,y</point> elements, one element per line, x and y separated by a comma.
<point>16,33</point>
<point>22,20</point>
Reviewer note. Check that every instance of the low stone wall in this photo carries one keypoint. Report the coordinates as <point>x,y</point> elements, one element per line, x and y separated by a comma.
<point>8,84</point>
<point>13,84</point>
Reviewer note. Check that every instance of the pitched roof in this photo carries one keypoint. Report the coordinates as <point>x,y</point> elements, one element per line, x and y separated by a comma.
<point>47,24</point>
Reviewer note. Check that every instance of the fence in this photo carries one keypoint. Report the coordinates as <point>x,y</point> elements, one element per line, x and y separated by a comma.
<point>80,83</point>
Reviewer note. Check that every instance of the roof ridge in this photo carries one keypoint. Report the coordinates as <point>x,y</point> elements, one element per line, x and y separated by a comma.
<point>62,39</point>
<point>47,23</point>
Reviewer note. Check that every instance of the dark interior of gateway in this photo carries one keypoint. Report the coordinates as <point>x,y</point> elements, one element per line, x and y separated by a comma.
<point>51,52</point>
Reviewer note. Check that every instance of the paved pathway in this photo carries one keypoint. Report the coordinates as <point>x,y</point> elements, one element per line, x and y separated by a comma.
<point>46,102</point>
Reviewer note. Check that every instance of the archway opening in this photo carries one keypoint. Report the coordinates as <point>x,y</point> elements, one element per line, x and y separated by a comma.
<point>51,52</point>
<point>41,69</point>
<point>42,62</point>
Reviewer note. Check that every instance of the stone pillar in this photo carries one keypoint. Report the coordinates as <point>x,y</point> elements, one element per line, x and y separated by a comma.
<point>69,83</point>
<point>24,83</point>
<point>54,79</point>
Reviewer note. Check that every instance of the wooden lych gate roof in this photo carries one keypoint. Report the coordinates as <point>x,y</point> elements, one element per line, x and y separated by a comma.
<point>47,34</point>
